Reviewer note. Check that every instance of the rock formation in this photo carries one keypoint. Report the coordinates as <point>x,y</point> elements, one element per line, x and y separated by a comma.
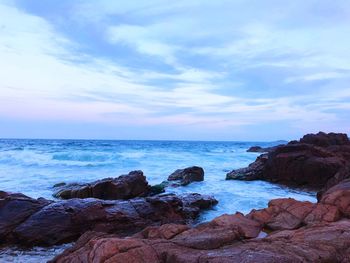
<point>286,231</point>
<point>127,186</point>
<point>315,161</point>
<point>187,175</point>
<point>27,221</point>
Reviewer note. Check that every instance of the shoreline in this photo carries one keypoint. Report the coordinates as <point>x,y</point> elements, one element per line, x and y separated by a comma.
<point>312,148</point>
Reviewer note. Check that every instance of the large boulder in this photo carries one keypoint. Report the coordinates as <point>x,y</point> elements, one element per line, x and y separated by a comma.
<point>29,222</point>
<point>313,162</point>
<point>15,209</point>
<point>187,175</point>
<point>127,186</point>
<point>302,165</point>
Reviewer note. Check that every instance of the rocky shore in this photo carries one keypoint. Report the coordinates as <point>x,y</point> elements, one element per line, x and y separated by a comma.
<point>123,220</point>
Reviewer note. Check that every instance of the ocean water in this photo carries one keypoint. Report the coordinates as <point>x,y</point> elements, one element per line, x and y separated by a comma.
<point>32,167</point>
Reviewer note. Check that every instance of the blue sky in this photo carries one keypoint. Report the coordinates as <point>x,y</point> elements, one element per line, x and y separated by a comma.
<point>205,70</point>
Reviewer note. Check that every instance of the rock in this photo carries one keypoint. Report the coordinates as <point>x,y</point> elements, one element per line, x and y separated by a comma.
<point>14,209</point>
<point>342,174</point>
<point>158,188</point>
<point>29,222</point>
<point>339,196</point>
<point>323,139</point>
<point>187,175</point>
<point>59,184</point>
<point>250,173</point>
<point>247,227</point>
<point>222,231</point>
<point>319,243</point>
<point>328,242</point>
<point>301,165</point>
<point>312,162</point>
<point>166,231</point>
<point>255,149</point>
<point>194,203</point>
<point>287,213</point>
<point>124,187</point>
<point>259,149</point>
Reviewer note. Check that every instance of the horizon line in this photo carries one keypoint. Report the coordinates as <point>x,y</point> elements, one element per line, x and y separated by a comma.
<point>165,140</point>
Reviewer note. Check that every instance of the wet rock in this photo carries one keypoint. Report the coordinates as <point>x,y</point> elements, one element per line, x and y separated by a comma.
<point>187,175</point>
<point>252,172</point>
<point>29,222</point>
<point>259,149</point>
<point>158,188</point>
<point>127,186</point>
<point>59,184</point>
<point>194,203</point>
<point>311,163</point>
<point>16,208</point>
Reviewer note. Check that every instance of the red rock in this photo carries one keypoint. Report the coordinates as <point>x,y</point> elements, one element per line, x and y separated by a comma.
<point>127,186</point>
<point>322,213</point>
<point>166,231</point>
<point>287,213</point>
<point>313,162</point>
<point>316,243</point>
<point>342,174</point>
<point>339,196</point>
<point>247,228</point>
<point>301,165</point>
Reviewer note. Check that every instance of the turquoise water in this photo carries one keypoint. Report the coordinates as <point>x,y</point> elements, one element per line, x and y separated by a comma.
<point>32,167</point>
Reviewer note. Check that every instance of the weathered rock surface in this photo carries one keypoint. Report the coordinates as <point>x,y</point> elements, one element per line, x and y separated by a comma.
<point>127,186</point>
<point>29,222</point>
<point>228,238</point>
<point>313,162</point>
<point>187,175</point>
<point>143,247</point>
<point>339,196</point>
<point>287,213</point>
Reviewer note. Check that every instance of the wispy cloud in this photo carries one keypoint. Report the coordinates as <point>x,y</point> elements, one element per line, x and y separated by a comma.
<point>220,66</point>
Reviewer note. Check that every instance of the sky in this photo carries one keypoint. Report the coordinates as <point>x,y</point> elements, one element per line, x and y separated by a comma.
<point>178,70</point>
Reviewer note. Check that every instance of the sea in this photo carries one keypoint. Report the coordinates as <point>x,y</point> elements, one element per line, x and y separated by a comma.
<point>33,167</point>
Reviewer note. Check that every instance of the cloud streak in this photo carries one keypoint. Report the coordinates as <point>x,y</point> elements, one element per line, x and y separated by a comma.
<point>220,66</point>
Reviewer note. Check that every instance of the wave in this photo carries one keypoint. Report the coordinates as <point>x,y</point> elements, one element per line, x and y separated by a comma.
<point>83,157</point>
